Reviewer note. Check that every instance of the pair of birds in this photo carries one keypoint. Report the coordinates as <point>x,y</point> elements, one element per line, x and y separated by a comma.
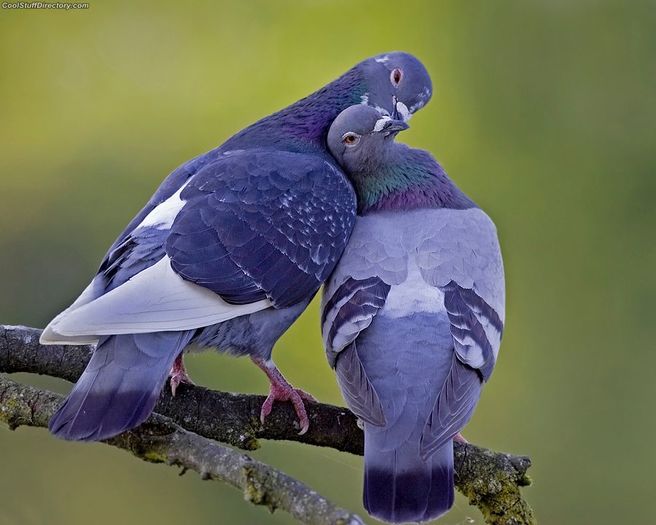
<point>234,244</point>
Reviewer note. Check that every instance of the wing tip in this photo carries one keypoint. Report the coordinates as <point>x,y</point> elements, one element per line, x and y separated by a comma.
<point>50,336</point>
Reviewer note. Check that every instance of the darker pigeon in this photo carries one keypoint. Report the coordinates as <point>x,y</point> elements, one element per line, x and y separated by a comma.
<point>227,253</point>
<point>412,315</point>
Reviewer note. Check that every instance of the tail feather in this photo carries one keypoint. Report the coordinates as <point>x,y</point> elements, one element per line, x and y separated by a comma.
<point>400,487</point>
<point>120,386</point>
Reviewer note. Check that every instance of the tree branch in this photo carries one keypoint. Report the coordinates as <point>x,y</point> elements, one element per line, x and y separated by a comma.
<point>159,440</point>
<point>490,480</point>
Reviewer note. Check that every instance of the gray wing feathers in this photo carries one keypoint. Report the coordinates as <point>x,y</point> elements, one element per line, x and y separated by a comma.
<point>463,260</point>
<point>349,310</point>
<point>473,361</point>
<point>377,255</point>
<point>454,252</point>
<point>453,408</point>
<point>472,319</point>
<point>356,387</point>
<point>467,252</point>
<point>156,299</point>
<point>345,314</point>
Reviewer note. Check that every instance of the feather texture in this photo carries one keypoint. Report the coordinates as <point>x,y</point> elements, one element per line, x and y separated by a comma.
<point>119,386</point>
<point>420,351</point>
<point>262,224</point>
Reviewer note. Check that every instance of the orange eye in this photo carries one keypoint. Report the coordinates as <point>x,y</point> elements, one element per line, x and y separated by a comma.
<point>396,76</point>
<point>350,139</point>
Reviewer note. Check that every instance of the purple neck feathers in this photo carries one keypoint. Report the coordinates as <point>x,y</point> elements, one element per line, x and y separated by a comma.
<point>408,179</point>
<point>304,125</point>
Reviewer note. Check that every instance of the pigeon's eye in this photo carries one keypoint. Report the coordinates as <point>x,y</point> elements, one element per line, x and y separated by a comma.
<point>350,138</point>
<point>396,76</point>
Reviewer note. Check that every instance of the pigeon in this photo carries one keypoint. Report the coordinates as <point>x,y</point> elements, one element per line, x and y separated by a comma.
<point>226,254</point>
<point>412,315</point>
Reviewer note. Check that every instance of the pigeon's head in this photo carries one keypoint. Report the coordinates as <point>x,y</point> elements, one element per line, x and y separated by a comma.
<point>360,138</point>
<point>397,84</point>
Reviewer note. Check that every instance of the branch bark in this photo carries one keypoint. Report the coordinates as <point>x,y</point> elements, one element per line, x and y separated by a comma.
<point>490,480</point>
<point>159,440</point>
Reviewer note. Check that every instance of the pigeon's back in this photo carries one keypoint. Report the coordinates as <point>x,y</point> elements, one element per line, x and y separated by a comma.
<point>401,350</point>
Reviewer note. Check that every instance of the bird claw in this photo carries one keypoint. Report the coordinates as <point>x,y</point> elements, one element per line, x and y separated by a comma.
<point>178,375</point>
<point>282,390</point>
<point>286,392</point>
<point>459,438</point>
<point>176,380</point>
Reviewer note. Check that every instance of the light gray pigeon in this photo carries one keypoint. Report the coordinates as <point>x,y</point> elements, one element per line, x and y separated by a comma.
<point>412,316</point>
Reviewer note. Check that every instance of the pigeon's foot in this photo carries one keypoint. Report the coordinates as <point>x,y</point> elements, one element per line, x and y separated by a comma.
<point>282,390</point>
<point>459,438</point>
<point>179,374</point>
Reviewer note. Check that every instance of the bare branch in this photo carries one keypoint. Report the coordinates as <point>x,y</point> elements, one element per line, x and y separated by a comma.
<point>159,440</point>
<point>491,480</point>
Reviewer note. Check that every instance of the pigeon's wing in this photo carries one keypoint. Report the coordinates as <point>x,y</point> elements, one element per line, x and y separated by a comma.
<point>214,250</point>
<point>169,187</point>
<point>156,299</point>
<point>375,260</point>
<point>138,251</point>
<point>263,225</point>
<point>348,311</point>
<point>462,258</point>
<point>139,246</point>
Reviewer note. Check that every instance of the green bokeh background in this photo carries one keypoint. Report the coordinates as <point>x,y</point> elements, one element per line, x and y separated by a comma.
<point>544,111</point>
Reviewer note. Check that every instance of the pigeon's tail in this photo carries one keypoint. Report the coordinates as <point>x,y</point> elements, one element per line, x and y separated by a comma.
<point>120,386</point>
<point>401,487</point>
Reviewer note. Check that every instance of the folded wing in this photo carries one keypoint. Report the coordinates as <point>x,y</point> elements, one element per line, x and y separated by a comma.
<point>263,225</point>
<point>346,313</point>
<point>465,264</point>
<point>251,230</point>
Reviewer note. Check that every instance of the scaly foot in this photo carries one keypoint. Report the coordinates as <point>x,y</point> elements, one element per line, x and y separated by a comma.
<point>282,390</point>
<point>460,438</point>
<point>178,374</point>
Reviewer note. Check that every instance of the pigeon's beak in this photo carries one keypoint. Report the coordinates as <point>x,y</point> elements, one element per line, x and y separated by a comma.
<point>393,126</point>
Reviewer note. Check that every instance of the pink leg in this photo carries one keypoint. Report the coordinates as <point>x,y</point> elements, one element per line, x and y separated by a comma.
<point>178,374</point>
<point>460,438</point>
<point>281,390</point>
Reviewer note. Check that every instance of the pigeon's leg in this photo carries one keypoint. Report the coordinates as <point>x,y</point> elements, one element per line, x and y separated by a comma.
<point>282,390</point>
<point>460,438</point>
<point>179,374</point>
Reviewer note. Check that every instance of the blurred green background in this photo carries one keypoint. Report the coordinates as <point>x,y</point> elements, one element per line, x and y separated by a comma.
<point>544,112</point>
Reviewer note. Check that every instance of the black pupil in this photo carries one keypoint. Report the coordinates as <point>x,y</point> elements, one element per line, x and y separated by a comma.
<point>397,76</point>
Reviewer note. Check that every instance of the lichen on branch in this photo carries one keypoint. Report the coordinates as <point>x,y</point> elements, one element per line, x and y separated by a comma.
<point>159,440</point>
